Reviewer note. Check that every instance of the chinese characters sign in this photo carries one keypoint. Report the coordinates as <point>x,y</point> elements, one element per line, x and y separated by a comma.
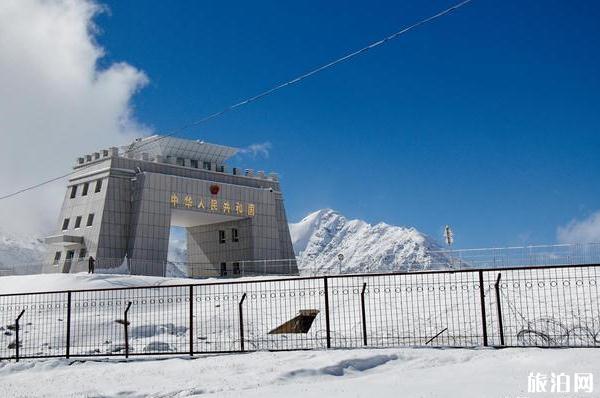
<point>213,205</point>
<point>560,382</point>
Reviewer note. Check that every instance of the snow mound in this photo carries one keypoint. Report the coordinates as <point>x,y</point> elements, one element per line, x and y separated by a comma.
<point>321,236</point>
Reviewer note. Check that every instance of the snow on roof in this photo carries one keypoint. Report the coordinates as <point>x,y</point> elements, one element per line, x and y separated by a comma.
<point>182,148</point>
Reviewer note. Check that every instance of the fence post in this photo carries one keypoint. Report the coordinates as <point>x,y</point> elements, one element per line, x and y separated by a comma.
<point>364,316</point>
<point>242,321</point>
<point>499,309</point>
<point>68,353</point>
<point>483,318</point>
<point>191,320</point>
<point>327,328</point>
<point>126,330</point>
<point>17,335</point>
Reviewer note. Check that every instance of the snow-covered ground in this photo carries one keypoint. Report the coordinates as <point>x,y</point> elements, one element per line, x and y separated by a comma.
<point>335,373</point>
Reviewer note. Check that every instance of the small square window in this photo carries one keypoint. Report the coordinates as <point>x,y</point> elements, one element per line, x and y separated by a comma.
<point>56,258</point>
<point>221,236</point>
<point>73,191</point>
<point>82,253</point>
<point>98,186</point>
<point>234,235</point>
<point>85,189</point>
<point>206,165</point>
<point>65,225</point>
<point>180,161</point>
<point>90,220</point>
<point>78,222</point>
<point>194,163</point>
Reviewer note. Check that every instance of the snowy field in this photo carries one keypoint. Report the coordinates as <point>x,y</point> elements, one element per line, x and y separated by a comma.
<point>476,373</point>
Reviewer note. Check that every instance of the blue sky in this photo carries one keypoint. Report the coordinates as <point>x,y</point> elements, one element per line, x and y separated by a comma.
<point>487,119</point>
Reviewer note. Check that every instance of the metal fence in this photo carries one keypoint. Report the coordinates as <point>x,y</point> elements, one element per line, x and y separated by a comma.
<point>551,306</point>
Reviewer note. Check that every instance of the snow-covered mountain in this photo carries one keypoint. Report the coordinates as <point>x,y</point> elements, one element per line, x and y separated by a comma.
<point>16,249</point>
<point>321,236</point>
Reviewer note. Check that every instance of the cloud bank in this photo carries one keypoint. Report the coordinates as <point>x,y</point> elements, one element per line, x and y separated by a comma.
<point>55,103</point>
<point>580,231</point>
<point>256,150</point>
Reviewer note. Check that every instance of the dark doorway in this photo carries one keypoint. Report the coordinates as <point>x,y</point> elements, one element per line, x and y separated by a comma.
<point>68,261</point>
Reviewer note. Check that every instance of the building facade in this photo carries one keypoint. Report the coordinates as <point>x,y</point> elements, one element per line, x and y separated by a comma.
<point>120,204</point>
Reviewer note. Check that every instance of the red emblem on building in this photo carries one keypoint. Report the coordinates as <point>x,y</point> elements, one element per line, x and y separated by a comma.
<point>214,189</point>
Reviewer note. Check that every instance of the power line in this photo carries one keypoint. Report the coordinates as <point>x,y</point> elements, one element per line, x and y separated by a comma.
<point>266,92</point>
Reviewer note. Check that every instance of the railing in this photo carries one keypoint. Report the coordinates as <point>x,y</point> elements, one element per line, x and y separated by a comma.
<point>530,256</point>
<point>518,256</point>
<point>557,306</point>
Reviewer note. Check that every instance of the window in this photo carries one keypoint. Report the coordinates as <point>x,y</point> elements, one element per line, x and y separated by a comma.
<point>78,222</point>
<point>73,191</point>
<point>82,253</point>
<point>234,235</point>
<point>180,161</point>
<point>90,219</point>
<point>85,188</point>
<point>206,165</point>
<point>236,268</point>
<point>220,169</point>
<point>221,236</point>
<point>194,163</point>
<point>56,258</point>
<point>98,186</point>
<point>65,224</point>
<point>223,269</point>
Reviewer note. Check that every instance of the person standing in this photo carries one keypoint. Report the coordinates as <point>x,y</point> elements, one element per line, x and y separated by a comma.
<point>91,263</point>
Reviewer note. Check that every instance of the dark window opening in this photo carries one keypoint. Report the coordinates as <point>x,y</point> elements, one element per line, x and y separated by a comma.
<point>85,189</point>
<point>194,163</point>
<point>206,165</point>
<point>56,258</point>
<point>223,269</point>
<point>65,224</point>
<point>180,161</point>
<point>236,268</point>
<point>82,253</point>
<point>221,236</point>
<point>90,220</point>
<point>73,191</point>
<point>220,169</point>
<point>98,186</point>
<point>234,235</point>
<point>78,222</point>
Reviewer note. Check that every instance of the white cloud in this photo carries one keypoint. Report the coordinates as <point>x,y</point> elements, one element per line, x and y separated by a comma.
<point>55,103</point>
<point>581,231</point>
<point>255,150</point>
